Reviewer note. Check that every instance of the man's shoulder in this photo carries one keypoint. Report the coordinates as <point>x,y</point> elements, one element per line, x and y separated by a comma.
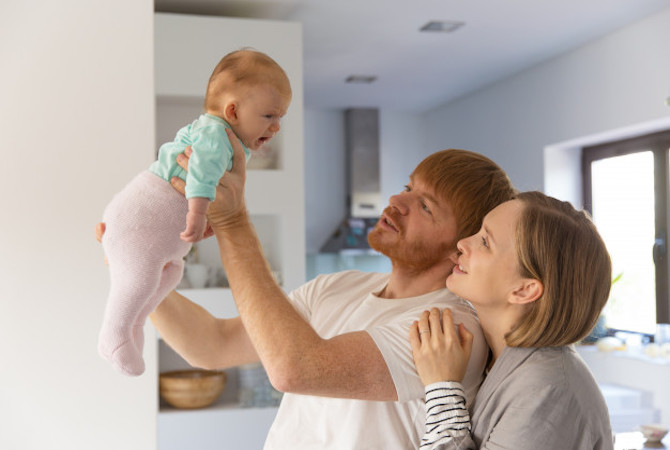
<point>348,281</point>
<point>353,276</point>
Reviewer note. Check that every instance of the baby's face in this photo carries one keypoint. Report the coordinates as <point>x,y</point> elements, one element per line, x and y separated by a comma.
<point>259,114</point>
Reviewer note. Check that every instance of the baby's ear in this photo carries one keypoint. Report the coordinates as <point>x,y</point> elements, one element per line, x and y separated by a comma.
<point>230,112</point>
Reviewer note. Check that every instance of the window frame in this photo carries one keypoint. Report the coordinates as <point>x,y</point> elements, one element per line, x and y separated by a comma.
<point>659,144</point>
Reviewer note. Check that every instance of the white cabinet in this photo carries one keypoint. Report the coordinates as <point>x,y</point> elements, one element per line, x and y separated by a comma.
<point>187,48</point>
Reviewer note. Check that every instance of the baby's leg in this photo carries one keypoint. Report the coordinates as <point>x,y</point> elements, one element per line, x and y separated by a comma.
<point>170,278</point>
<point>134,279</point>
<point>142,236</point>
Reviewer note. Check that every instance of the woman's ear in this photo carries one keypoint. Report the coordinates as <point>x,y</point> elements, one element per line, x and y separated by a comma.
<point>528,291</point>
<point>230,112</point>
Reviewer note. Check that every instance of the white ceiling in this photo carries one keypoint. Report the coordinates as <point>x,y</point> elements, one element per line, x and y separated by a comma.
<point>418,71</point>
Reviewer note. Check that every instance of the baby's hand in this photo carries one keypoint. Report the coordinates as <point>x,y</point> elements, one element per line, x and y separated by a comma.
<point>195,227</point>
<point>196,219</point>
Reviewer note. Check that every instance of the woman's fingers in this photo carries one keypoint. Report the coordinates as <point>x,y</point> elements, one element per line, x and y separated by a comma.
<point>424,326</point>
<point>435,325</point>
<point>448,325</point>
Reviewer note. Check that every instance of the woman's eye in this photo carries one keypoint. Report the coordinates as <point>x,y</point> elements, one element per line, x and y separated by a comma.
<point>484,243</point>
<point>425,207</point>
<point>406,188</point>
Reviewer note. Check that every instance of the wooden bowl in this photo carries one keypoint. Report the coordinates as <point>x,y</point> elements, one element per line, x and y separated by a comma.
<point>190,389</point>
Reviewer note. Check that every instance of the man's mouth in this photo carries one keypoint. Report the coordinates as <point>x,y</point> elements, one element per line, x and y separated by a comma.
<point>387,222</point>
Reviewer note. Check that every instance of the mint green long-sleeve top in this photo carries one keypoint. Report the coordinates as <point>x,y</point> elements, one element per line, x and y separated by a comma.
<point>212,156</point>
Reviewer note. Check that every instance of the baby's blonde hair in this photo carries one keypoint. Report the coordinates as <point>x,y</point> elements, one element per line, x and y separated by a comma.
<point>242,69</point>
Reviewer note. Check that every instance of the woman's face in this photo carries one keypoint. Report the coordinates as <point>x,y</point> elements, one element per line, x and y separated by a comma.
<point>487,271</point>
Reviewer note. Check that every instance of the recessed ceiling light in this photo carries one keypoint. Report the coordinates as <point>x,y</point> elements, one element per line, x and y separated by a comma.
<point>361,79</point>
<point>446,26</point>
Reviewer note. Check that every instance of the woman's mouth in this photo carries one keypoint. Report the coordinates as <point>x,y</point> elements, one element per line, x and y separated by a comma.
<point>459,269</point>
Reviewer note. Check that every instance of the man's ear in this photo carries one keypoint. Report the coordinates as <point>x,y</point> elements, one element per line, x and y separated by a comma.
<point>528,291</point>
<point>230,113</point>
<point>453,255</point>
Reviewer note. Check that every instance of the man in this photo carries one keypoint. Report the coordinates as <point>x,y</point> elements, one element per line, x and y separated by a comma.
<point>338,345</point>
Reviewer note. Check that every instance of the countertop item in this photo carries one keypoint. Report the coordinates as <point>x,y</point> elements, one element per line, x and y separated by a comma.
<point>190,389</point>
<point>636,441</point>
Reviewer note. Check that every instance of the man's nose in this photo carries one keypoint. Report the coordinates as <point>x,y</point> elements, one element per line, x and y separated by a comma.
<point>400,203</point>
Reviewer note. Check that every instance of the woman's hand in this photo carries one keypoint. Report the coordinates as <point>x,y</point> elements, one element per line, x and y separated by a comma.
<point>440,352</point>
<point>228,208</point>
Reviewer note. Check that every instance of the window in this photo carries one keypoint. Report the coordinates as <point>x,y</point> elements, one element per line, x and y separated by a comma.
<point>626,192</point>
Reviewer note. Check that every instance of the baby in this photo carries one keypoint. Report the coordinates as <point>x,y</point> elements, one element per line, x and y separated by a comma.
<point>150,227</point>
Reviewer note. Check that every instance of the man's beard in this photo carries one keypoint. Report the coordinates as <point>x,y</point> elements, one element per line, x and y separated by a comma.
<point>415,257</point>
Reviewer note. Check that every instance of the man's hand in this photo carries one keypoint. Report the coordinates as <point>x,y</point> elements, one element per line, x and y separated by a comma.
<point>228,209</point>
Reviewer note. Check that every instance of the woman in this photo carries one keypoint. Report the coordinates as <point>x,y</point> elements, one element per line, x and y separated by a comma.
<point>538,275</point>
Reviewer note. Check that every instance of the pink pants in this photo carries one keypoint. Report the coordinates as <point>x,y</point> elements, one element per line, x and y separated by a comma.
<point>145,256</point>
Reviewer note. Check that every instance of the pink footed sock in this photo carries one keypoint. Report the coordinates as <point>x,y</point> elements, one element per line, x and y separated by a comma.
<point>142,234</point>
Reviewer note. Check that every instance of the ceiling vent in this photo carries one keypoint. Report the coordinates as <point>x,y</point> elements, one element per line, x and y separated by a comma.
<point>447,26</point>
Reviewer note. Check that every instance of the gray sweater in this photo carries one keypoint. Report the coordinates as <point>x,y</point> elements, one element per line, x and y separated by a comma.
<point>533,398</point>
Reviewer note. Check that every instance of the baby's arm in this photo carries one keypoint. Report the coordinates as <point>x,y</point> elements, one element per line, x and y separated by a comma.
<point>196,219</point>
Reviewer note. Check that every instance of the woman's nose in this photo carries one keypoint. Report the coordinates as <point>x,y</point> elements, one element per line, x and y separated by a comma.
<point>462,246</point>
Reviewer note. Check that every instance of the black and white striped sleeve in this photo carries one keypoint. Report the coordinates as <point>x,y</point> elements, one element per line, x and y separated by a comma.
<point>447,418</point>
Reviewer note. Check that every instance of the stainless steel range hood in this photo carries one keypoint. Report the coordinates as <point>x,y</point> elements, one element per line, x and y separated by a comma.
<point>364,202</point>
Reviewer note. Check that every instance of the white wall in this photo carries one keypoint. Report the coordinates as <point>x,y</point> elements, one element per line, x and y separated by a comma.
<point>77,122</point>
<point>617,81</point>
<point>325,186</point>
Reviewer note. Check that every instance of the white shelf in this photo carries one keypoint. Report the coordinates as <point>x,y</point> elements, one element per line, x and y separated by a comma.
<point>187,48</point>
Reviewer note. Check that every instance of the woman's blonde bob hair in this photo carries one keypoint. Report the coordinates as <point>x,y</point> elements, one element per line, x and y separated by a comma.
<point>561,247</point>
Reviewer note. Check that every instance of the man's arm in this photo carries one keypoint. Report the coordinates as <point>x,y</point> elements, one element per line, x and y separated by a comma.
<point>295,357</point>
<point>200,338</point>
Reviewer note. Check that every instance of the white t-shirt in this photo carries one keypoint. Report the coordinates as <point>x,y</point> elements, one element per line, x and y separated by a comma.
<point>343,302</point>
